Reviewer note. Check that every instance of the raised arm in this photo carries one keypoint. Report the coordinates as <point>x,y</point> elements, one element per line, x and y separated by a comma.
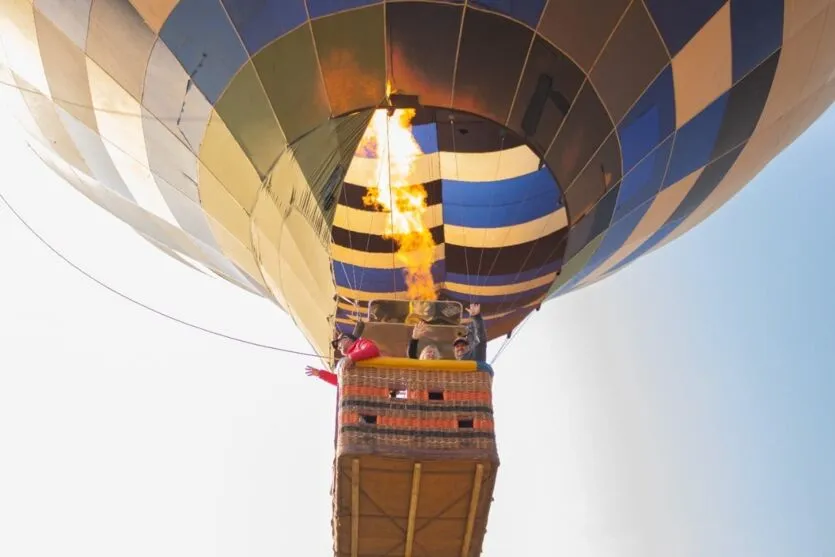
<point>417,333</point>
<point>325,376</point>
<point>476,333</point>
<point>480,344</point>
<point>413,346</point>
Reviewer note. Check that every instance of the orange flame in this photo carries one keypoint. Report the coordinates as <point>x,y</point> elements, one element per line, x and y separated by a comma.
<point>390,139</point>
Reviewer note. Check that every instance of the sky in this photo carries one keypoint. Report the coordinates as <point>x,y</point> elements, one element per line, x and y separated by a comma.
<point>684,406</point>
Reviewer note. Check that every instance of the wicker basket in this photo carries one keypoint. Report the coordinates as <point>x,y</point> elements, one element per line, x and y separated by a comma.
<point>415,410</point>
<point>416,459</point>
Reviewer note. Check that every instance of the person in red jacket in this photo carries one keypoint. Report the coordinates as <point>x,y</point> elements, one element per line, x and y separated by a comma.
<point>352,348</point>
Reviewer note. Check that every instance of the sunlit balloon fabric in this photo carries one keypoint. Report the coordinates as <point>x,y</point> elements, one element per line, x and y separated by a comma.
<point>561,140</point>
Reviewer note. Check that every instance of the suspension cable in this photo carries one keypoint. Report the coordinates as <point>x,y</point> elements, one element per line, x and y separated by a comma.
<point>506,342</point>
<point>161,313</point>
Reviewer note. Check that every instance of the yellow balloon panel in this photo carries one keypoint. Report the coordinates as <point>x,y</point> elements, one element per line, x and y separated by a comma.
<point>251,119</point>
<point>46,115</point>
<point>222,155</point>
<point>120,42</point>
<point>229,222</point>
<point>20,42</point>
<point>294,260</point>
<point>306,280</point>
<point>269,260</point>
<point>796,60</point>
<point>66,70</point>
<point>698,84</point>
<point>267,226</point>
<point>154,12</point>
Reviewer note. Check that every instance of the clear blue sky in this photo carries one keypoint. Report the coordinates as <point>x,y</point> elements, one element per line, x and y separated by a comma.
<point>683,407</point>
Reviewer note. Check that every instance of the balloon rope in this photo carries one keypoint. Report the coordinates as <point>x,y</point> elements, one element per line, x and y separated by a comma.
<point>509,339</point>
<point>66,260</point>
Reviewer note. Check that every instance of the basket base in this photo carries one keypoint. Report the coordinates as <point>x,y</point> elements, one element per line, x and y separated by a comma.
<point>411,504</point>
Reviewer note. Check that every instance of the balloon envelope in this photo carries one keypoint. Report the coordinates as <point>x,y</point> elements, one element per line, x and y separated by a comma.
<point>559,141</point>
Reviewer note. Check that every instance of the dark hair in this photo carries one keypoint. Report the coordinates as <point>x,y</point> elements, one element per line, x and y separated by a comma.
<point>335,342</point>
<point>460,340</point>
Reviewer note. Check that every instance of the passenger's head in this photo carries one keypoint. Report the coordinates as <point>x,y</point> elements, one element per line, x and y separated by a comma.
<point>460,347</point>
<point>343,341</point>
<point>430,352</point>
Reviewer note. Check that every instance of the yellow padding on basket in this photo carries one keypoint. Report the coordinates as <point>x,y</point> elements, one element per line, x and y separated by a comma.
<point>428,365</point>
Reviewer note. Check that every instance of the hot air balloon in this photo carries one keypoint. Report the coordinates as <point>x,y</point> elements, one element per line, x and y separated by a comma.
<point>374,162</point>
<point>558,143</point>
